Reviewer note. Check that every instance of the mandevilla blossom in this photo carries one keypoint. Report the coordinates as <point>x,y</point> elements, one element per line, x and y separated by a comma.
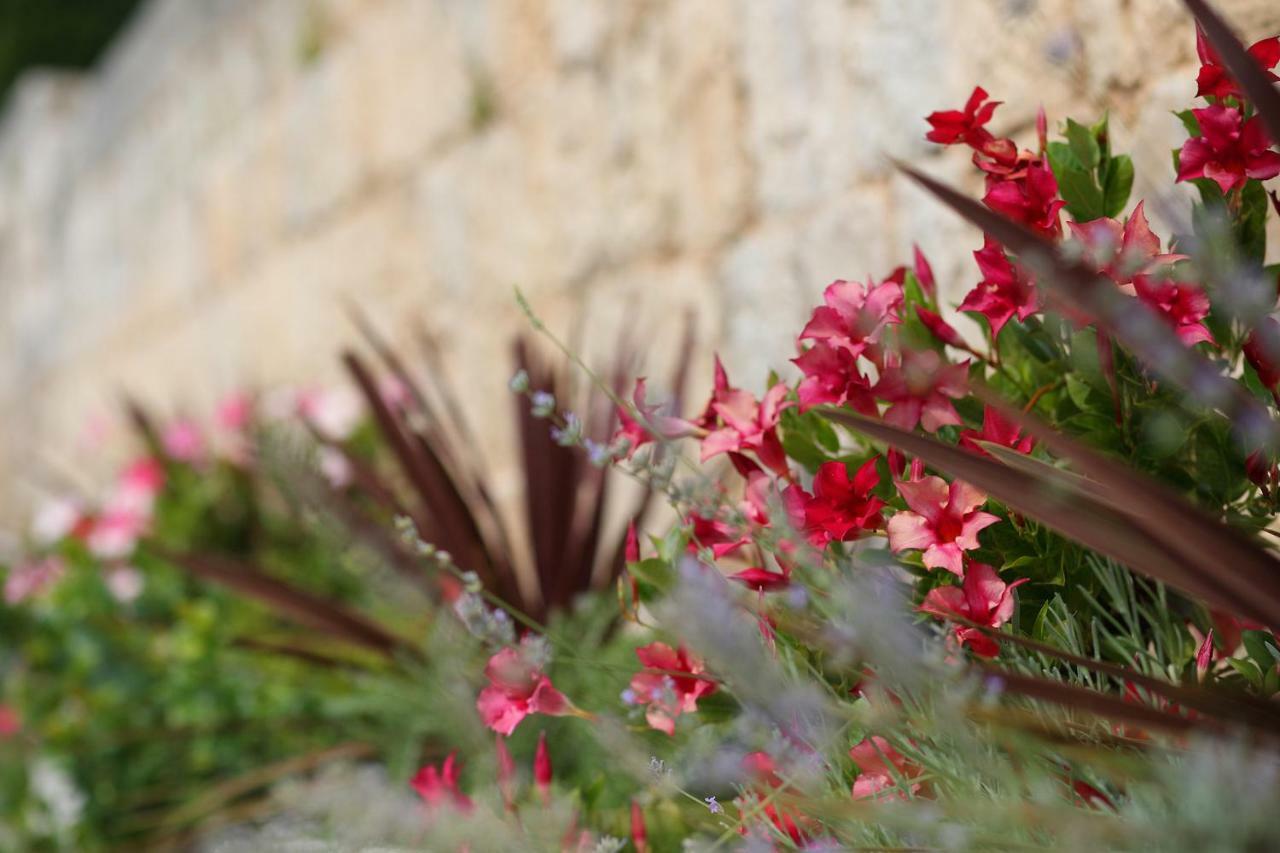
<point>710,532</point>
<point>440,787</point>
<point>840,509</point>
<point>668,695</point>
<point>542,767</point>
<point>1006,289</point>
<point>639,832</point>
<point>762,771</point>
<point>968,126</point>
<point>1183,306</point>
<point>996,429</point>
<point>749,426</point>
<point>854,315</point>
<point>944,522</point>
<point>940,328</point>
<point>55,519</point>
<point>637,433</point>
<point>882,770</point>
<point>10,722</point>
<point>984,600</point>
<point>1215,81</point>
<point>32,578</point>
<point>832,377</point>
<point>1260,349</point>
<point>1229,150</point>
<point>1031,199</point>
<point>918,389</point>
<point>517,689</point>
<point>183,441</point>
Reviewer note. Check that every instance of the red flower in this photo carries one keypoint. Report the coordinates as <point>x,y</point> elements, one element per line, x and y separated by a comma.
<point>749,426</point>
<point>760,768</point>
<point>996,429</point>
<point>1214,80</point>
<point>1259,349</point>
<point>1130,256</point>
<point>1229,150</point>
<point>639,832</point>
<point>840,509</point>
<point>720,536</point>
<point>984,599</point>
<point>10,722</point>
<point>1006,288</point>
<point>517,689</point>
<point>763,580</point>
<point>944,522</point>
<point>918,389</point>
<point>831,376</point>
<point>542,767</point>
<point>854,315</point>
<point>969,127</point>
<point>440,787</point>
<point>940,328</point>
<point>881,768</point>
<point>1031,199</point>
<point>666,695</point>
<point>924,272</point>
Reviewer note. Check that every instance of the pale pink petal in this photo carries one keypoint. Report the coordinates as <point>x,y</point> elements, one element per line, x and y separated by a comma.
<point>908,531</point>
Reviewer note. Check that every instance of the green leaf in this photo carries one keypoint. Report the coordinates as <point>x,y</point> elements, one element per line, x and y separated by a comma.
<point>1062,159</point>
<point>1119,183</point>
<point>1082,195</point>
<point>1189,121</point>
<point>1251,224</point>
<point>1261,648</point>
<point>1083,144</point>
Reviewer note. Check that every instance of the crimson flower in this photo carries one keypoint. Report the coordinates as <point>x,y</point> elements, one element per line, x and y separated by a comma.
<point>542,771</point>
<point>944,521</point>
<point>1229,150</point>
<point>668,695</point>
<point>639,832</point>
<point>832,377</point>
<point>1215,81</point>
<point>996,429</point>
<point>517,688</point>
<point>881,769</point>
<point>710,532</point>
<point>1259,349</point>
<point>940,328</point>
<point>762,770</point>
<point>984,600</point>
<point>853,315</point>
<point>918,389</point>
<point>748,425</point>
<point>10,722</point>
<point>840,509</point>
<point>968,126</point>
<point>1183,306</point>
<point>440,787</point>
<point>764,580</point>
<point>1006,289</point>
<point>1031,199</point>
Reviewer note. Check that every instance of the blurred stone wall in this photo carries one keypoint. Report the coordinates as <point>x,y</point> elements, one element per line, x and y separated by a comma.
<point>192,215</point>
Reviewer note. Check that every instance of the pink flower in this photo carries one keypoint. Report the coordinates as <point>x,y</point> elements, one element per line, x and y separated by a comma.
<point>1130,256</point>
<point>140,482</point>
<point>749,426</point>
<point>918,389</point>
<point>55,519</point>
<point>924,272</point>
<point>32,578</point>
<point>944,522</point>
<point>1229,150</point>
<point>517,689</point>
<point>334,412</point>
<point>440,787</point>
<point>881,769</point>
<point>984,600</point>
<point>1006,289</point>
<point>831,377</point>
<point>125,583</point>
<point>969,127</point>
<point>760,767</point>
<point>233,412</point>
<point>996,429</point>
<point>710,532</point>
<point>666,693</point>
<point>840,509</point>
<point>1031,199</point>
<point>763,580</point>
<point>184,442</point>
<point>854,315</point>
<point>116,531</point>
<point>638,434</point>
<point>940,328</point>
<point>1215,81</point>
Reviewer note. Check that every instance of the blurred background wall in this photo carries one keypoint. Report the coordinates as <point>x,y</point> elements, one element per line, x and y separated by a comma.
<point>190,214</point>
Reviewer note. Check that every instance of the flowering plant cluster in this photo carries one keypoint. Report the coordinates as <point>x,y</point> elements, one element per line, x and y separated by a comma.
<point>989,570</point>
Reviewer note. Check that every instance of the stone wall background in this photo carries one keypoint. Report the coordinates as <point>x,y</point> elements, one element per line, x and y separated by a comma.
<point>191,216</point>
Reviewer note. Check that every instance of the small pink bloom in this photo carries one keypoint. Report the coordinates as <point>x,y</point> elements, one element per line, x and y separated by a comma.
<point>440,787</point>
<point>984,599</point>
<point>542,767</point>
<point>183,441</point>
<point>1006,289</point>
<point>840,509</point>
<point>116,531</point>
<point>32,578</point>
<point>631,551</point>
<point>666,693</point>
<point>882,770</point>
<point>996,429</point>
<point>140,482</point>
<point>762,579</point>
<point>506,770</point>
<point>234,412</point>
<point>762,772</point>
<point>639,832</point>
<point>944,522</point>
<point>517,689</point>
<point>1031,199</point>
<point>832,377</point>
<point>638,433</point>
<point>1204,656</point>
<point>749,426</point>
<point>924,272</point>
<point>333,412</point>
<point>55,519</point>
<point>1229,151</point>
<point>918,390</point>
<point>854,315</point>
<point>125,583</point>
<point>335,467</point>
<point>1215,81</point>
<point>940,328</point>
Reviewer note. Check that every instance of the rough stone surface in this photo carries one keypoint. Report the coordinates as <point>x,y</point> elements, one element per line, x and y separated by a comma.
<point>191,215</point>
